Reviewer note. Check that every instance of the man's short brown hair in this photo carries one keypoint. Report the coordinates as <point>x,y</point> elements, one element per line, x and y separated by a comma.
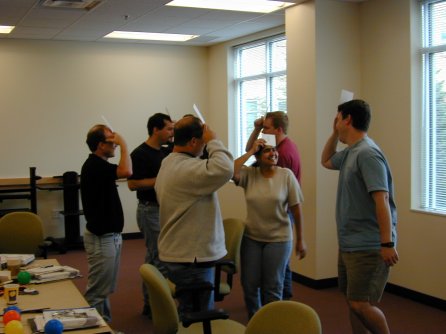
<point>279,120</point>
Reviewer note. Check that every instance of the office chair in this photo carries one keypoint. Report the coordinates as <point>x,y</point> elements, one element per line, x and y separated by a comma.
<point>22,233</point>
<point>230,264</point>
<point>285,317</point>
<point>165,315</point>
<point>280,317</point>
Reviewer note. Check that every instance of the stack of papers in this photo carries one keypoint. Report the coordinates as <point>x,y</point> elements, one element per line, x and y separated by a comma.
<point>24,258</point>
<point>72,318</point>
<point>52,273</point>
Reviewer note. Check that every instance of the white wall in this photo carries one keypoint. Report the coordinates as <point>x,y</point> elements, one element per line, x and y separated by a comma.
<point>51,93</point>
<point>301,88</point>
<point>387,45</point>
<point>323,59</point>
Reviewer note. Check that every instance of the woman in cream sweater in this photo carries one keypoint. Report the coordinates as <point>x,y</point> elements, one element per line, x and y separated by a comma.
<point>271,192</point>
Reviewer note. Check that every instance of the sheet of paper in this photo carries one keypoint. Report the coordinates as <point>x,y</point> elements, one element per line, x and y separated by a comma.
<point>107,123</point>
<point>345,96</point>
<point>270,139</point>
<point>199,115</point>
<point>74,318</point>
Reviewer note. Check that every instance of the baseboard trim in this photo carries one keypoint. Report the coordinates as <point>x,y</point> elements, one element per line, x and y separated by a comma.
<point>391,288</point>
<point>315,283</point>
<point>416,296</point>
<point>133,235</point>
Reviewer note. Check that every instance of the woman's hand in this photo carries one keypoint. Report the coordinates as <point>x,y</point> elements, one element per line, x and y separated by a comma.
<point>258,145</point>
<point>301,249</point>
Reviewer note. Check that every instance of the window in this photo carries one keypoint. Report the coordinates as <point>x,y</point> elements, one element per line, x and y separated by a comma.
<point>260,81</point>
<point>433,121</point>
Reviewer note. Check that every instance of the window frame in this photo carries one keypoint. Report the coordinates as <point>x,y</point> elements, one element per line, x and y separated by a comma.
<point>425,190</point>
<point>238,136</point>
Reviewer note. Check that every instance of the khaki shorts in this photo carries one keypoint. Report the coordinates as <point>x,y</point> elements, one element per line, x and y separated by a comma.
<point>362,275</point>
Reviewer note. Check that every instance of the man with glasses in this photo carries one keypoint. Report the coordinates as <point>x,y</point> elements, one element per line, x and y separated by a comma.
<point>103,213</point>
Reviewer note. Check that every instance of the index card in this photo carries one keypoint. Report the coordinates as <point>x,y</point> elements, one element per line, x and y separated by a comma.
<point>345,96</point>
<point>107,123</point>
<point>199,115</point>
<point>270,139</point>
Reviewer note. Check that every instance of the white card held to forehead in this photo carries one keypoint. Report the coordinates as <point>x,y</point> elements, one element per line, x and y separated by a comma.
<point>199,115</point>
<point>270,139</point>
<point>107,123</point>
<point>345,96</point>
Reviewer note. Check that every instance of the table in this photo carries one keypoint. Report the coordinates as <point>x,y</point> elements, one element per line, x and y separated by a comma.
<point>55,295</point>
<point>25,188</point>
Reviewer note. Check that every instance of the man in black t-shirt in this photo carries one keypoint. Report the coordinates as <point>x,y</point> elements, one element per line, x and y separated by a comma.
<point>146,159</point>
<point>103,212</point>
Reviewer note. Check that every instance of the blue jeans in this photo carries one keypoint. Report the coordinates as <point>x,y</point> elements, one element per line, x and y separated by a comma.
<point>185,274</point>
<point>262,271</point>
<point>147,217</point>
<point>288,281</point>
<point>103,256</point>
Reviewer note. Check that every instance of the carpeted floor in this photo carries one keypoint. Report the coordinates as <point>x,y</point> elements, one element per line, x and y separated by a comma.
<point>404,316</point>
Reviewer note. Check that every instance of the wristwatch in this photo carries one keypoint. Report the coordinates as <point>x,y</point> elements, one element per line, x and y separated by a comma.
<point>390,244</point>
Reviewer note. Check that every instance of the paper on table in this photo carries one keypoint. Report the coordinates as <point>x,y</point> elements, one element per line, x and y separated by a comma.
<point>53,273</point>
<point>199,115</point>
<point>345,96</point>
<point>107,123</point>
<point>75,318</point>
<point>270,139</point>
<point>24,258</point>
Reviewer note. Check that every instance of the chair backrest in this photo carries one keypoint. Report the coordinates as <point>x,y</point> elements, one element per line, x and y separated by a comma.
<point>164,310</point>
<point>234,229</point>
<point>285,317</point>
<point>21,233</point>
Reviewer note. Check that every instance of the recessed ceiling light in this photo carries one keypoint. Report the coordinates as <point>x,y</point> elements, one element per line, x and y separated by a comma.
<point>258,6</point>
<point>6,29</point>
<point>150,36</point>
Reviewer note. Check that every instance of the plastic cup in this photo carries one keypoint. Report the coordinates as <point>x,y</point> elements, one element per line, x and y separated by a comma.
<point>11,293</point>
